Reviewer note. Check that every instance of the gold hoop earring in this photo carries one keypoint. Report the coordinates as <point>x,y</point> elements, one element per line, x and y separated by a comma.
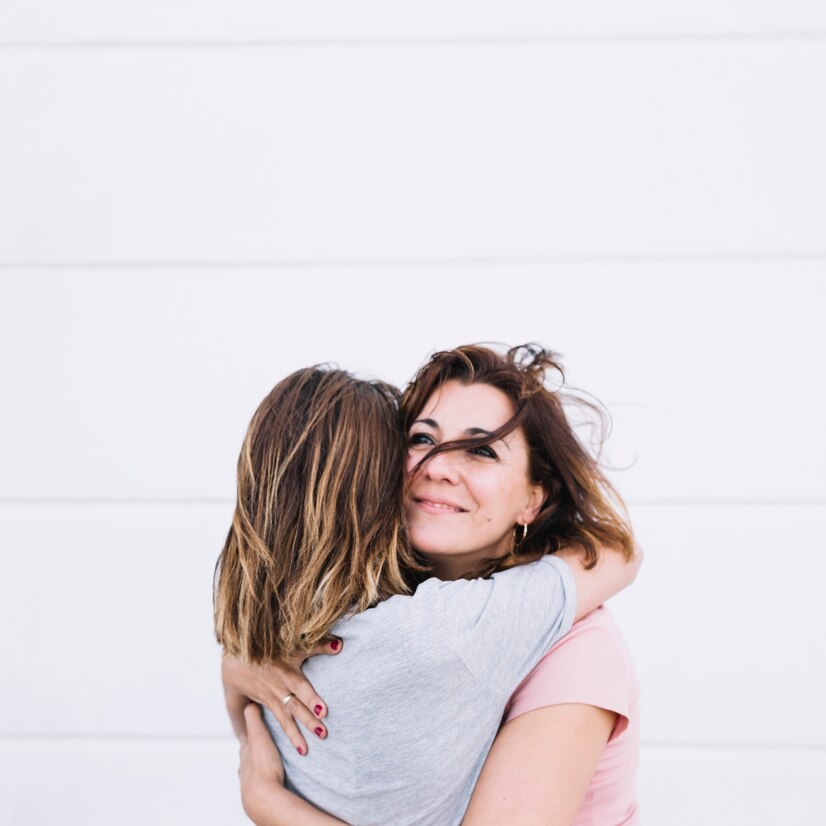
<point>518,543</point>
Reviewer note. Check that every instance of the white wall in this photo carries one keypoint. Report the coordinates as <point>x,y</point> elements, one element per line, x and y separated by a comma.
<point>197,198</point>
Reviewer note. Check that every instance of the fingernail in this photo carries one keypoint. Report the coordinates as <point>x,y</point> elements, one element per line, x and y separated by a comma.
<point>318,710</point>
<point>319,731</point>
<point>335,644</point>
<point>300,750</point>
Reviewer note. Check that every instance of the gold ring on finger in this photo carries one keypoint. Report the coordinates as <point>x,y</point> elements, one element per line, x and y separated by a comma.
<point>287,699</point>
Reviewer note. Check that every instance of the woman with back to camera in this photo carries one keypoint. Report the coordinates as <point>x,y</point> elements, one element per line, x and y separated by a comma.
<point>473,396</point>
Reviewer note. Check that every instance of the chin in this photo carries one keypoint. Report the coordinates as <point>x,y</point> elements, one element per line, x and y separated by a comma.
<point>434,549</point>
<point>432,546</point>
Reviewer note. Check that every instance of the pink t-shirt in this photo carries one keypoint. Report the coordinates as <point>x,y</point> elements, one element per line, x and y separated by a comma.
<point>591,665</point>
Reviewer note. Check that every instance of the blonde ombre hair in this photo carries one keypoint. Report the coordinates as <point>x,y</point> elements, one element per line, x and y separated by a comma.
<point>318,529</point>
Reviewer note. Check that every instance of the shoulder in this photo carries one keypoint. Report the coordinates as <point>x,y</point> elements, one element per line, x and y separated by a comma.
<point>523,596</point>
<point>547,580</point>
<point>596,633</point>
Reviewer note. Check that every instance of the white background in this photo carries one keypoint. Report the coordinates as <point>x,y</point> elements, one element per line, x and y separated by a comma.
<point>196,198</point>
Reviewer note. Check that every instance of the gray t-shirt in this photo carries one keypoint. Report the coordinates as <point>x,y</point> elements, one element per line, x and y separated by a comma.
<point>417,693</point>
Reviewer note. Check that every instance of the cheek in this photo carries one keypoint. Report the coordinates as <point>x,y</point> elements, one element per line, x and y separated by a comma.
<point>503,497</point>
<point>494,491</point>
<point>412,461</point>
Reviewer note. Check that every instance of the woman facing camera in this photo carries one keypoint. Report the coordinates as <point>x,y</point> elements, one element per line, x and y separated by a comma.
<point>419,688</point>
<point>568,750</point>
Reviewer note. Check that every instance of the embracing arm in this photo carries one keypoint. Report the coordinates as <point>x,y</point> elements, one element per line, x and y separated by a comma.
<point>540,766</point>
<point>275,806</point>
<point>265,800</point>
<point>559,723</point>
<point>278,807</point>
<point>610,575</point>
<point>269,685</point>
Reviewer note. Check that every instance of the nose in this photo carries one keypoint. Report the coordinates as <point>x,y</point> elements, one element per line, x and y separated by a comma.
<point>443,467</point>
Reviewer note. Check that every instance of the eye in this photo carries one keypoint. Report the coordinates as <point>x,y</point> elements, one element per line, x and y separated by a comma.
<point>417,439</point>
<point>485,451</point>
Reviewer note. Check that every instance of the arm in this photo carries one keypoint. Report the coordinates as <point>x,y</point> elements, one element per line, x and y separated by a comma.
<point>558,723</point>
<point>609,576</point>
<point>265,800</point>
<point>540,766</point>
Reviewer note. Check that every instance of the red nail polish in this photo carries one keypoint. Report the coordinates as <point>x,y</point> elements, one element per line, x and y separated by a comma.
<point>318,710</point>
<point>335,645</point>
<point>319,731</point>
<point>300,750</point>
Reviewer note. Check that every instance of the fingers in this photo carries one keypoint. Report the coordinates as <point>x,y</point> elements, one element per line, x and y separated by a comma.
<point>302,688</point>
<point>307,706</point>
<point>300,710</point>
<point>331,645</point>
<point>308,700</point>
<point>303,706</point>
<point>284,715</point>
<point>296,711</point>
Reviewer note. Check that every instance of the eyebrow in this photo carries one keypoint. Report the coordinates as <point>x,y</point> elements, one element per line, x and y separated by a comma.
<point>471,431</point>
<point>477,431</point>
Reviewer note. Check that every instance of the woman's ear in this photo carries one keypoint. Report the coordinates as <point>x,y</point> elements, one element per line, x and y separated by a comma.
<point>536,497</point>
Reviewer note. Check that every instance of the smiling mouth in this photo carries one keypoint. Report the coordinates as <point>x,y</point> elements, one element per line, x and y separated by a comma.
<point>437,507</point>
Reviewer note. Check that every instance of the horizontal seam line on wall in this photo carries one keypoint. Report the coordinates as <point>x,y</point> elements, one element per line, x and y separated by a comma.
<point>194,500</point>
<point>197,738</point>
<point>447,261</point>
<point>733,746</point>
<point>149,738</point>
<point>629,38</point>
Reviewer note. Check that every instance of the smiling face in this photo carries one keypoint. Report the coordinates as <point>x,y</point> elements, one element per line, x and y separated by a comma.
<point>462,505</point>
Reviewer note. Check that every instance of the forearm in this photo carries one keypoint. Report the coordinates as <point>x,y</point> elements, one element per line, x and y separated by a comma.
<point>540,767</point>
<point>611,574</point>
<point>275,806</point>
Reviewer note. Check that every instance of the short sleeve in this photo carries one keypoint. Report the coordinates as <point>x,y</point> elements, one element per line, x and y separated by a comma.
<point>502,626</point>
<point>590,666</point>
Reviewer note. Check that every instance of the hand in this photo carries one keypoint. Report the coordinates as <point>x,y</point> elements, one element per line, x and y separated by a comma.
<point>268,685</point>
<point>261,770</point>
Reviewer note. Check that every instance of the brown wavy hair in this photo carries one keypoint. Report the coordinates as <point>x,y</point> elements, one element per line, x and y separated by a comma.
<point>582,507</point>
<point>318,528</point>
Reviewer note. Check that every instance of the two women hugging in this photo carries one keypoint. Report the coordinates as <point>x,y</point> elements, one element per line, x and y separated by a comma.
<point>452,545</point>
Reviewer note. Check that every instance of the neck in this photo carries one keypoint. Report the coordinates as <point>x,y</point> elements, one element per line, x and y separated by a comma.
<point>454,566</point>
<point>450,567</point>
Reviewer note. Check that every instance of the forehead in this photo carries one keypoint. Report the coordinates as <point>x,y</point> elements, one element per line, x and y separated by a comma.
<point>461,406</point>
